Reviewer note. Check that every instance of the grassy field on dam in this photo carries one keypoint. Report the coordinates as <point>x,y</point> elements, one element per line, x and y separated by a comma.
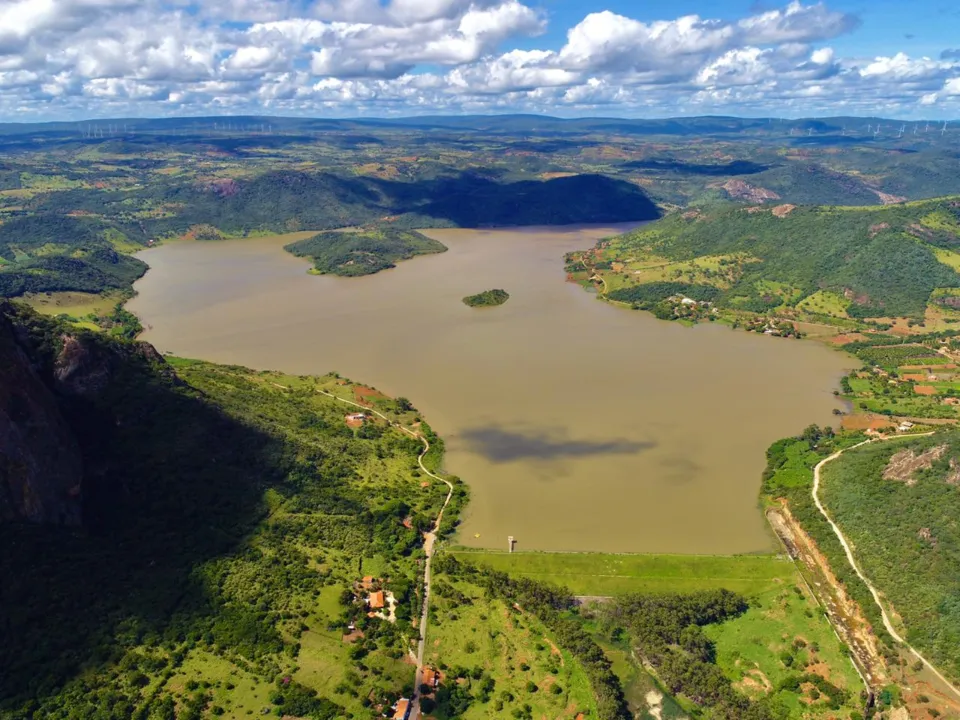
<point>603,574</point>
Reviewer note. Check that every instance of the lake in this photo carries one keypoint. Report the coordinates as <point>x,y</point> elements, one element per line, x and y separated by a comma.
<point>577,424</point>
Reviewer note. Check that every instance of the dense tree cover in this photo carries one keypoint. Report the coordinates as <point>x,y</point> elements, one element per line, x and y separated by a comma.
<point>667,631</point>
<point>216,508</point>
<point>475,201</point>
<point>363,252</point>
<point>286,201</point>
<point>904,527</point>
<point>31,232</point>
<point>815,184</point>
<point>60,253</point>
<point>552,606</point>
<point>733,168</point>
<point>487,298</point>
<point>893,355</point>
<point>882,260</point>
<point>647,295</point>
<point>101,270</point>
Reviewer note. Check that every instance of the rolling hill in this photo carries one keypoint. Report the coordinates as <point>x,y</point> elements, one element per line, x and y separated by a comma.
<point>847,261</point>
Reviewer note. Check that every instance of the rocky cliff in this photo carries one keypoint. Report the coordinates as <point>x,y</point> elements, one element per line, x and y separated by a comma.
<point>51,378</point>
<point>40,463</point>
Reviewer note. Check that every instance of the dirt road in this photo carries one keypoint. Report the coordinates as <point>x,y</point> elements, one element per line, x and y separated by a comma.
<point>429,540</point>
<point>856,568</point>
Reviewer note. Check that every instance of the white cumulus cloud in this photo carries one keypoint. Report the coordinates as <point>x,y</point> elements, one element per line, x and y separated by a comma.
<point>81,58</point>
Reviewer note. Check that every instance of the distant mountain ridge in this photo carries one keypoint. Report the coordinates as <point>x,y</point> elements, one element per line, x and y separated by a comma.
<point>513,122</point>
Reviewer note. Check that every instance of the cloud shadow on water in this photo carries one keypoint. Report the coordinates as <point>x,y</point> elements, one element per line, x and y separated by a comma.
<point>501,446</point>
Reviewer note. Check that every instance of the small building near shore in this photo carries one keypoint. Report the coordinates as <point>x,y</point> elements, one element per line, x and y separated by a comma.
<point>355,420</point>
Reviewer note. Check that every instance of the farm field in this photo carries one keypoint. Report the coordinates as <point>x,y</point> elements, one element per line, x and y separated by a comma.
<point>76,305</point>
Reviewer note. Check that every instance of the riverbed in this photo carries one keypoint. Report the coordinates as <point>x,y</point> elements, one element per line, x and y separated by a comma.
<point>577,424</point>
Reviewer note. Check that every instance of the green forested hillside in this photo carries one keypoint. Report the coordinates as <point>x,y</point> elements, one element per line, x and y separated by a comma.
<point>69,239</point>
<point>812,184</point>
<point>363,252</point>
<point>474,201</point>
<point>899,502</point>
<point>226,520</point>
<point>876,262</point>
<point>49,253</point>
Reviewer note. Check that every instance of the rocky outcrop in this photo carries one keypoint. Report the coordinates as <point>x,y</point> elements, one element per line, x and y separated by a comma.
<point>739,190</point>
<point>40,460</point>
<point>61,396</point>
<point>82,368</point>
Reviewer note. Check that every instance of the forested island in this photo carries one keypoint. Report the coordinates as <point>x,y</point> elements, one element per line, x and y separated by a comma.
<point>488,298</point>
<point>352,253</point>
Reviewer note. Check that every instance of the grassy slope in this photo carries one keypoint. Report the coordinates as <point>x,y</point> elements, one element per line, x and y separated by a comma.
<point>617,574</point>
<point>888,523</point>
<point>500,640</point>
<point>754,649</point>
<point>749,646</point>
<point>884,259</point>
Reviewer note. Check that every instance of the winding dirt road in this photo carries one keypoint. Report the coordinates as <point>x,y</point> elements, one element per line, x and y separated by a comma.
<point>429,540</point>
<point>856,568</point>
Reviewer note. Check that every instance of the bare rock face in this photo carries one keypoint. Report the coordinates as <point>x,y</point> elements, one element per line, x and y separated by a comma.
<point>81,368</point>
<point>40,461</point>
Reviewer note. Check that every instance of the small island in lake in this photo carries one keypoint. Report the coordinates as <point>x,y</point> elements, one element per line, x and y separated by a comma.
<point>488,298</point>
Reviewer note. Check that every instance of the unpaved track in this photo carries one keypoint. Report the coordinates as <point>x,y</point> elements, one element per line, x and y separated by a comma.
<point>856,568</point>
<point>429,539</point>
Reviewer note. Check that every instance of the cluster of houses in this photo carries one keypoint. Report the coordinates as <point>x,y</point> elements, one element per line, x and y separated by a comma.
<point>380,603</point>
<point>402,708</point>
<point>773,327</point>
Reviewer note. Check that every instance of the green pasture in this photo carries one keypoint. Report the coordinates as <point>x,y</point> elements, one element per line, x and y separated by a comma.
<point>513,647</point>
<point>603,574</point>
<point>824,302</point>
<point>785,633</point>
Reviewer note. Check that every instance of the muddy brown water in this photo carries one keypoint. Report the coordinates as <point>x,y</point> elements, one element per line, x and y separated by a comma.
<point>577,424</point>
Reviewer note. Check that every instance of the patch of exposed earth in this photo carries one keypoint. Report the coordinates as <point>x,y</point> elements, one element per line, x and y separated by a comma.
<point>904,465</point>
<point>740,190</point>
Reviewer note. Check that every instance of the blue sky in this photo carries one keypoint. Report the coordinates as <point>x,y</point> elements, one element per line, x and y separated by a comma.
<point>76,59</point>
